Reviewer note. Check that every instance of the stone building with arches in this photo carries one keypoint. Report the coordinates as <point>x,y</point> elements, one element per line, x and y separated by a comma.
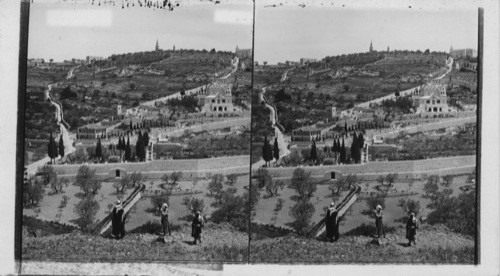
<point>217,99</point>
<point>432,99</point>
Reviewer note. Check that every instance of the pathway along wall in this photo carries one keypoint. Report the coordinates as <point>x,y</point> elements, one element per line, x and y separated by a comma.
<point>405,169</point>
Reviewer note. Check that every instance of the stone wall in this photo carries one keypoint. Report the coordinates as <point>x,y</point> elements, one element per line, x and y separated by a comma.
<point>371,171</point>
<point>231,164</point>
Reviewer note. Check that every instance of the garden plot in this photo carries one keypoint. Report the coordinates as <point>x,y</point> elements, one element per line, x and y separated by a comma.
<point>143,211</point>
<point>50,207</point>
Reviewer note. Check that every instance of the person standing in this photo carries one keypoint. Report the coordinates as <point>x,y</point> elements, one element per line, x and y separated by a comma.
<point>378,221</point>
<point>411,229</point>
<point>196,226</point>
<point>117,221</point>
<point>332,227</point>
<point>164,220</point>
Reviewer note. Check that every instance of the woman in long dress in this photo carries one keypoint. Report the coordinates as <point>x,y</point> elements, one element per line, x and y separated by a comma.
<point>378,221</point>
<point>411,229</point>
<point>164,220</point>
<point>332,227</point>
<point>197,224</point>
<point>117,222</point>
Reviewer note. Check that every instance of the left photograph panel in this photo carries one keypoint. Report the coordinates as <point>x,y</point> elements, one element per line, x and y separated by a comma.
<point>137,131</point>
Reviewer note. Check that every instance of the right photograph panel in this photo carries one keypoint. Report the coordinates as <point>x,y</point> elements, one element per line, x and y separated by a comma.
<point>364,135</point>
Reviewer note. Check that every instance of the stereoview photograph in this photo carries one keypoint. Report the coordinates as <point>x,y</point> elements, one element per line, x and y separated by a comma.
<point>137,132</point>
<point>364,134</point>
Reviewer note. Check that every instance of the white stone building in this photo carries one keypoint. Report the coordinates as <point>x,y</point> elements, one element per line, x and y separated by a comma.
<point>432,99</point>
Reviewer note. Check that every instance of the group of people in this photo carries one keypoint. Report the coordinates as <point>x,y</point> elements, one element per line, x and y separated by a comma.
<point>118,222</point>
<point>332,224</point>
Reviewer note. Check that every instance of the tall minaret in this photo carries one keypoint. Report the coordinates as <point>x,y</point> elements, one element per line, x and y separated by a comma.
<point>173,48</point>
<point>388,50</point>
<point>157,47</point>
<point>371,46</point>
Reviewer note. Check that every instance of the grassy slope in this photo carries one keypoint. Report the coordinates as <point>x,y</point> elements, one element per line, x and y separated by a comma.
<point>220,243</point>
<point>434,245</point>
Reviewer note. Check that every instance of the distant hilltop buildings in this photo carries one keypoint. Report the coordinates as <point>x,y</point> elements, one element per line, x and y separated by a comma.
<point>243,53</point>
<point>90,59</point>
<point>304,61</point>
<point>463,53</point>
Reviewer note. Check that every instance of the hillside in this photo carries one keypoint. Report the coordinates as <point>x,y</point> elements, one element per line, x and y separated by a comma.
<point>435,244</point>
<point>220,242</point>
<point>223,243</point>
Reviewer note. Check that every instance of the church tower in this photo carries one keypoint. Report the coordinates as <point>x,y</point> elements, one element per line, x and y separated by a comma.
<point>157,47</point>
<point>388,50</point>
<point>173,48</point>
<point>371,46</point>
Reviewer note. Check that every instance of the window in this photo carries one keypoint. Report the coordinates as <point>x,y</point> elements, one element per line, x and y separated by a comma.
<point>218,101</point>
<point>433,102</point>
<point>223,100</point>
<point>438,101</point>
<point>225,108</point>
<point>435,109</point>
<point>428,101</point>
<point>430,109</point>
<point>220,108</point>
<point>440,110</point>
<point>213,101</point>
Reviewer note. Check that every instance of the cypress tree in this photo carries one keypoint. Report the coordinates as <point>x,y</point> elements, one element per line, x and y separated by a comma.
<point>345,126</point>
<point>50,148</point>
<point>128,150</point>
<point>264,150</point>
<point>98,149</point>
<point>145,138</point>
<point>269,152</point>
<point>342,152</point>
<point>314,153</point>
<point>139,147</point>
<point>276,150</point>
<point>354,149</point>
<point>131,127</point>
<point>61,146</point>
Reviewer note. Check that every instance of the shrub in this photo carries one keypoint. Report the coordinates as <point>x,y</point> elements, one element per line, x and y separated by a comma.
<point>33,191</point>
<point>158,199</point>
<point>302,212</point>
<point>85,179</point>
<point>193,204</point>
<point>64,201</point>
<point>86,210</point>
<point>409,206</point>
<point>302,183</point>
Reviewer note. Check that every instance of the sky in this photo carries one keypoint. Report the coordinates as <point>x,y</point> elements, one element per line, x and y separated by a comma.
<point>292,32</point>
<point>65,31</point>
<point>288,32</point>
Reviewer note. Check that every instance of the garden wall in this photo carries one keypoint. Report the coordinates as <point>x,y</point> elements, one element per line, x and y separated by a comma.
<point>190,167</point>
<point>410,169</point>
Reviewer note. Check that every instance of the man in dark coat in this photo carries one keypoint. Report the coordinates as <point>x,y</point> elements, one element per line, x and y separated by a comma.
<point>117,221</point>
<point>411,229</point>
<point>197,224</point>
<point>332,227</point>
<point>378,221</point>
